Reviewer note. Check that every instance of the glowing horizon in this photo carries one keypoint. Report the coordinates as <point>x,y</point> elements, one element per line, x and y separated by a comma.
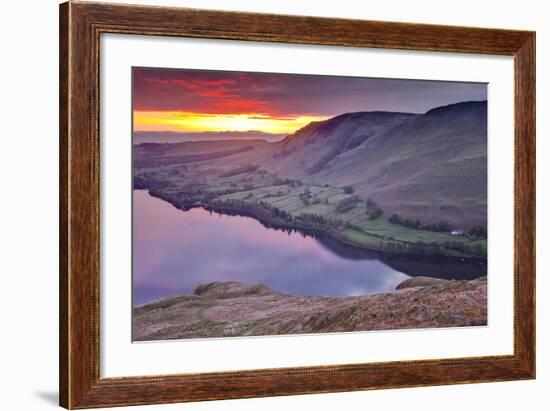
<point>177,121</point>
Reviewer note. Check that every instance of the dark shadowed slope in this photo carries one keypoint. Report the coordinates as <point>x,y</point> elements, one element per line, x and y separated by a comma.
<point>310,149</point>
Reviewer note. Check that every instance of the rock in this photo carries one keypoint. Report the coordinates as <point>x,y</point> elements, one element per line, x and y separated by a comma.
<point>231,289</point>
<point>422,282</point>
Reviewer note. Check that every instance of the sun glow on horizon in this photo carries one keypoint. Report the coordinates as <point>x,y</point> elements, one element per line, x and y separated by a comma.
<point>202,122</point>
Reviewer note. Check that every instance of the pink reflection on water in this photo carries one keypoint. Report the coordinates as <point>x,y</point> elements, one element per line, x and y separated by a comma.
<point>174,251</point>
<point>159,224</point>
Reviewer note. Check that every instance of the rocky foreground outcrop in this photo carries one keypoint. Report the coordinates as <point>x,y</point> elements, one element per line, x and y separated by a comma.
<point>224,309</point>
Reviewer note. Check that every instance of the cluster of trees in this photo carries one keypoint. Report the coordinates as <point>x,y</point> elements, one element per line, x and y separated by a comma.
<point>464,247</point>
<point>441,226</point>
<point>262,210</point>
<point>267,212</point>
<point>140,183</point>
<point>231,202</point>
<point>392,247</point>
<point>305,196</point>
<point>208,196</point>
<point>314,219</point>
<point>150,181</point>
<point>324,222</point>
<point>277,212</point>
<point>421,247</point>
<point>347,204</point>
<point>373,210</point>
<point>287,182</point>
<point>279,193</point>
<point>418,247</point>
<point>308,198</point>
<point>178,170</point>
<point>478,231</point>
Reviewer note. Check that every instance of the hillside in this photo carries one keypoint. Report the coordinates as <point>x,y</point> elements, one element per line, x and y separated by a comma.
<point>212,310</point>
<point>310,149</point>
<point>429,167</point>
<point>344,177</point>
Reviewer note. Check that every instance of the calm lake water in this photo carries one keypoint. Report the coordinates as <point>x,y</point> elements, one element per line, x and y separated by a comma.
<point>174,251</point>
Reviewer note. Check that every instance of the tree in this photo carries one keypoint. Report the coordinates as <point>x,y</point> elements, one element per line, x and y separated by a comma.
<point>348,189</point>
<point>373,210</point>
<point>395,219</point>
<point>443,226</point>
<point>374,214</point>
<point>478,231</point>
<point>347,204</point>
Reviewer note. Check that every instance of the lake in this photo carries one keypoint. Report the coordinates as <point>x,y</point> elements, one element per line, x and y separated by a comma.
<point>174,251</point>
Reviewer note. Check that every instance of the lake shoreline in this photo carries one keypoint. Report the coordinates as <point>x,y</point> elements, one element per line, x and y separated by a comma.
<point>266,218</point>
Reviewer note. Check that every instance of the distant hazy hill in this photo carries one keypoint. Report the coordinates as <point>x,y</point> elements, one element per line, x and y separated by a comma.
<point>430,167</point>
<point>140,137</point>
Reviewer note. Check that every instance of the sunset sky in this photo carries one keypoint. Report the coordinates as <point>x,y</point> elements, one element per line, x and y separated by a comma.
<point>215,101</point>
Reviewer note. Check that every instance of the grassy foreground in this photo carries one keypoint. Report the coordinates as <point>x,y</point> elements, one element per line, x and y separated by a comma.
<point>226,309</point>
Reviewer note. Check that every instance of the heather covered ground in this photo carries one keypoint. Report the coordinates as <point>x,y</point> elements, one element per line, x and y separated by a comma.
<point>225,309</point>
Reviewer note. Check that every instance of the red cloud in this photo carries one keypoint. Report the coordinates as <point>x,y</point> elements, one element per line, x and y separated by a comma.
<point>288,95</point>
<point>196,92</point>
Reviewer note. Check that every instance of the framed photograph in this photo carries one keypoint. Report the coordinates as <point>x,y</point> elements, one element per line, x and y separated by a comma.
<point>258,205</point>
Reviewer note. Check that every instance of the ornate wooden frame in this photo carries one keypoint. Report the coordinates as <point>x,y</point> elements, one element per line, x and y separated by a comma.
<point>80,27</point>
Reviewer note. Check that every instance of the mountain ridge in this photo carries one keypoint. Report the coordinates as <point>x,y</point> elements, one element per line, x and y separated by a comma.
<point>429,167</point>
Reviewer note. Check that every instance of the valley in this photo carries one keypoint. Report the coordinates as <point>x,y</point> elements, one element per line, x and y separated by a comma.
<point>390,182</point>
